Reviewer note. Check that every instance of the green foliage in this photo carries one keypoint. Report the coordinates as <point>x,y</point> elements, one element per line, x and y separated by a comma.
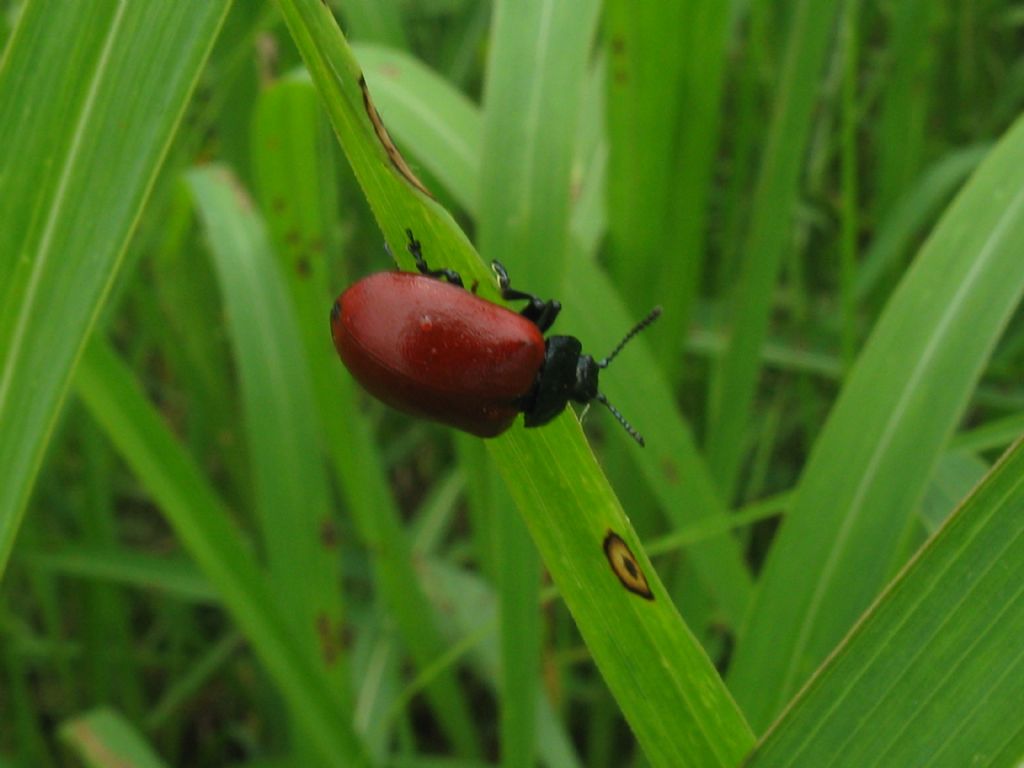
<point>102,738</point>
<point>217,549</point>
<point>896,413</point>
<point>78,160</point>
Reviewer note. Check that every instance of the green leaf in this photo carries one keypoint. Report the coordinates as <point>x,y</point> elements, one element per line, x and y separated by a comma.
<point>177,577</point>
<point>666,65</point>
<point>395,195</point>
<point>932,674</point>
<point>205,529</point>
<point>678,708</point>
<point>377,20</point>
<point>904,109</point>
<point>90,95</point>
<point>298,201</point>
<point>897,410</point>
<point>473,609</point>
<point>290,494</point>
<point>911,214</point>
<point>955,476</point>
<point>997,433</point>
<point>428,115</point>
<point>532,95</point>
<point>735,383</point>
<point>103,738</point>
<point>671,464</point>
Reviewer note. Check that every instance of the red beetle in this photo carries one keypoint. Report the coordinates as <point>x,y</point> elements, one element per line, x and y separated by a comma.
<point>424,345</point>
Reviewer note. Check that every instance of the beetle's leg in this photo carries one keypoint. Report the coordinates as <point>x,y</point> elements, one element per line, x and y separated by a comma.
<point>416,250</point>
<point>541,313</point>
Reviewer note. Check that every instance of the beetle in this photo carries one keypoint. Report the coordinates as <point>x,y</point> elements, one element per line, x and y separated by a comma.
<point>423,344</point>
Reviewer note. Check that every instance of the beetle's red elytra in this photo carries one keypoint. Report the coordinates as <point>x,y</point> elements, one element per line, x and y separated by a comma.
<point>424,345</point>
<point>436,351</point>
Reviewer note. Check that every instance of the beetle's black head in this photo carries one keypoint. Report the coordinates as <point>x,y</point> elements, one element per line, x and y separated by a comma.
<point>585,388</point>
<point>567,374</point>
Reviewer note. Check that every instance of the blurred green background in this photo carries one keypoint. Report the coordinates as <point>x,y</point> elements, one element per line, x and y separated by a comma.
<point>216,550</point>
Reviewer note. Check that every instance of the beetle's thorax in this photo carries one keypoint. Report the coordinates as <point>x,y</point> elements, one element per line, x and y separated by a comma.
<point>566,375</point>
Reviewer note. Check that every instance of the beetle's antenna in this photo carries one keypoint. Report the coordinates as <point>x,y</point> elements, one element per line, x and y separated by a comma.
<point>653,315</point>
<point>621,419</point>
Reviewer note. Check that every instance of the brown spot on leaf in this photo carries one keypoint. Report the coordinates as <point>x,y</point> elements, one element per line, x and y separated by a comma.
<point>329,530</point>
<point>385,139</point>
<point>625,566</point>
<point>95,748</point>
<point>332,639</point>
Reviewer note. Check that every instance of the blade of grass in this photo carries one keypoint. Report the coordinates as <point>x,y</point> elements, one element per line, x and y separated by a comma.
<point>182,276</point>
<point>885,434</point>
<point>201,523</point>
<point>474,611</point>
<point>955,476</point>
<point>377,20</point>
<point>744,141</point>
<point>671,462</point>
<point>114,671</point>
<point>665,77</point>
<point>931,675</point>
<point>903,113</point>
<point>425,112</point>
<point>911,214</point>
<point>679,710</point>
<point>532,93</point>
<point>74,174</point>
<point>191,685</point>
<point>391,191</point>
<point>590,166</point>
<point>296,187</point>
<point>707,45</point>
<point>26,730</point>
<point>518,570</point>
<point>994,434</point>
<point>551,472</point>
<point>645,82</point>
<point>769,236</point>
<point>850,181</point>
<point>177,577</point>
<point>290,491</point>
<point>103,738</point>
